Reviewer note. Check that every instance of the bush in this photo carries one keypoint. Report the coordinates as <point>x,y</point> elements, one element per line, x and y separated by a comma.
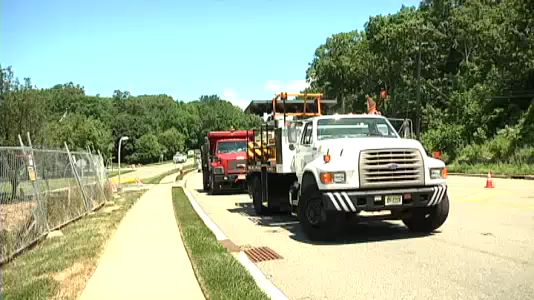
<point>445,137</point>
<point>500,149</point>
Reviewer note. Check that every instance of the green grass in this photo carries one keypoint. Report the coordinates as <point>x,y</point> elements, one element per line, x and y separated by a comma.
<point>116,173</point>
<point>37,273</point>
<point>502,169</point>
<point>219,274</point>
<point>158,178</point>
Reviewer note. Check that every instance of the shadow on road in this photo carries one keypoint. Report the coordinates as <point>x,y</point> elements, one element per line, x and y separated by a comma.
<point>355,232</point>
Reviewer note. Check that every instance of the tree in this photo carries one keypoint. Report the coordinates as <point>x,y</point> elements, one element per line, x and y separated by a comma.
<point>79,132</point>
<point>147,149</point>
<point>173,141</point>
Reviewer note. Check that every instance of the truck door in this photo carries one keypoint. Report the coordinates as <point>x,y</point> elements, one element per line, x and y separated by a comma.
<point>304,150</point>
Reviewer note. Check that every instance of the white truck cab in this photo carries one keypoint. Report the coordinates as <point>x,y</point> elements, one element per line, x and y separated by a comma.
<point>352,163</point>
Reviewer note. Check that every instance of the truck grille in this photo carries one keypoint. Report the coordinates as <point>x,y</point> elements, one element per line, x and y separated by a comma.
<point>233,166</point>
<point>391,168</point>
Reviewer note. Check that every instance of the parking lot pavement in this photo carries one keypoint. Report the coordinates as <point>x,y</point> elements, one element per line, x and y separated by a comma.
<point>484,250</point>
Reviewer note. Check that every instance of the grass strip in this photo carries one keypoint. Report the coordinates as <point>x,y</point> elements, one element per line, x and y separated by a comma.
<point>496,168</point>
<point>219,274</point>
<point>59,267</point>
<point>156,179</point>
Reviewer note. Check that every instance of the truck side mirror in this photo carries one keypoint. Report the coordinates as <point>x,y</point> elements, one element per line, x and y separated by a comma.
<point>291,147</point>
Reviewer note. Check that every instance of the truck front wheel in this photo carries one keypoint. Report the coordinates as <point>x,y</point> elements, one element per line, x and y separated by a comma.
<point>426,220</point>
<point>213,186</point>
<point>317,222</point>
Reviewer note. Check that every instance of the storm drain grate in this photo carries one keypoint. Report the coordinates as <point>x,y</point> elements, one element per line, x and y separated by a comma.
<point>262,254</point>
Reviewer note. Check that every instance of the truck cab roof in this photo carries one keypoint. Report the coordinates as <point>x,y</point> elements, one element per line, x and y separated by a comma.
<point>352,116</point>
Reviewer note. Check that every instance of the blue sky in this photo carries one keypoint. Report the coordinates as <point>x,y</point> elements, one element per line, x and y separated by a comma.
<point>240,50</point>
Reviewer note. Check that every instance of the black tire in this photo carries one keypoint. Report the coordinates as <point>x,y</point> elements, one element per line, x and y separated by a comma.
<point>318,223</point>
<point>426,220</point>
<point>259,208</point>
<point>213,187</point>
<point>205,182</point>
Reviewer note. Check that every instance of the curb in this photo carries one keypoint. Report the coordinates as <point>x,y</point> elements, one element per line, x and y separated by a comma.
<point>524,177</point>
<point>263,283</point>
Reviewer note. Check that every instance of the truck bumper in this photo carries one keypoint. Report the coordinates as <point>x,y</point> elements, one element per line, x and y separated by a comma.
<point>230,181</point>
<point>374,200</point>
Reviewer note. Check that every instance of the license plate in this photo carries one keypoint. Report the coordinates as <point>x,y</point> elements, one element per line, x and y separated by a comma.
<point>393,200</point>
<point>241,176</point>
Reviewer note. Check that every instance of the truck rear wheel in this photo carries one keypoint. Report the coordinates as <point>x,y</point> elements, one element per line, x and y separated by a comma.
<point>259,208</point>
<point>425,219</point>
<point>317,222</point>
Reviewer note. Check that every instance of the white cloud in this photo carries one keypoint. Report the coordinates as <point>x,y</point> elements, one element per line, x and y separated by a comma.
<point>296,86</point>
<point>229,94</point>
<point>232,96</point>
<point>273,86</point>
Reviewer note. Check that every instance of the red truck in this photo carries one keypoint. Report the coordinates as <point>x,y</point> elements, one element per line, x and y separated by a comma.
<point>224,158</point>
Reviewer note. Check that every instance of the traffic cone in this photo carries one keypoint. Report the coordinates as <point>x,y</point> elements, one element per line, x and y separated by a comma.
<point>489,182</point>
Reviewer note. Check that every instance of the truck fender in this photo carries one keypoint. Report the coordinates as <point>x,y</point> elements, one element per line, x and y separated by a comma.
<point>308,178</point>
<point>311,171</point>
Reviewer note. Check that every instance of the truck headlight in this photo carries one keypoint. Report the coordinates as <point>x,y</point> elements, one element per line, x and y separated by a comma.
<point>218,170</point>
<point>437,173</point>
<point>332,177</point>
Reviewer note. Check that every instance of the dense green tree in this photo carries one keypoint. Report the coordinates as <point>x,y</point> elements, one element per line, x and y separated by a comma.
<point>155,124</point>
<point>173,141</point>
<point>461,69</point>
<point>147,149</point>
<point>79,132</point>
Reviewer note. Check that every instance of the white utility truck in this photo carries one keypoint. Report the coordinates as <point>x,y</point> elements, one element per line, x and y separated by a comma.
<point>327,168</point>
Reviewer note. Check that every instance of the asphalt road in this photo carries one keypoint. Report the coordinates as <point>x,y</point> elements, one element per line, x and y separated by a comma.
<point>485,250</point>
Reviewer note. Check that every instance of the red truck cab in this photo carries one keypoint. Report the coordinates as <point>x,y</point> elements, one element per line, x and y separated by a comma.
<point>225,154</point>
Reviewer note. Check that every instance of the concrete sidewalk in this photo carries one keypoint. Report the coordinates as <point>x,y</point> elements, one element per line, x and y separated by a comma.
<point>145,258</point>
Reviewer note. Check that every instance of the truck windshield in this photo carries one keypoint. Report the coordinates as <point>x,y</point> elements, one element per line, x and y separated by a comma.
<point>232,146</point>
<point>354,128</point>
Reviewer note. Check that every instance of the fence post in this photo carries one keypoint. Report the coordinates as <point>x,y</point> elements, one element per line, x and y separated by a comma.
<point>97,170</point>
<point>88,204</point>
<point>41,217</point>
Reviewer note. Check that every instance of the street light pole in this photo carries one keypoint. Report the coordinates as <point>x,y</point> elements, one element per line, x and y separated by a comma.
<point>124,138</point>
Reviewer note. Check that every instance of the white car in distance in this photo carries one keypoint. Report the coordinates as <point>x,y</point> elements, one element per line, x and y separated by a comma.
<point>179,158</point>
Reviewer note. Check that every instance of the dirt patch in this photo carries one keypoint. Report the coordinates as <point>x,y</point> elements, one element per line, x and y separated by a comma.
<point>15,215</point>
<point>72,280</point>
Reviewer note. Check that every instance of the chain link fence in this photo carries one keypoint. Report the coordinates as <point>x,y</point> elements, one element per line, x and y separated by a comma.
<point>42,190</point>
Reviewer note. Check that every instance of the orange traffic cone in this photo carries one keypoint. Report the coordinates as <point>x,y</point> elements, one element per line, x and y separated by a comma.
<point>489,182</point>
